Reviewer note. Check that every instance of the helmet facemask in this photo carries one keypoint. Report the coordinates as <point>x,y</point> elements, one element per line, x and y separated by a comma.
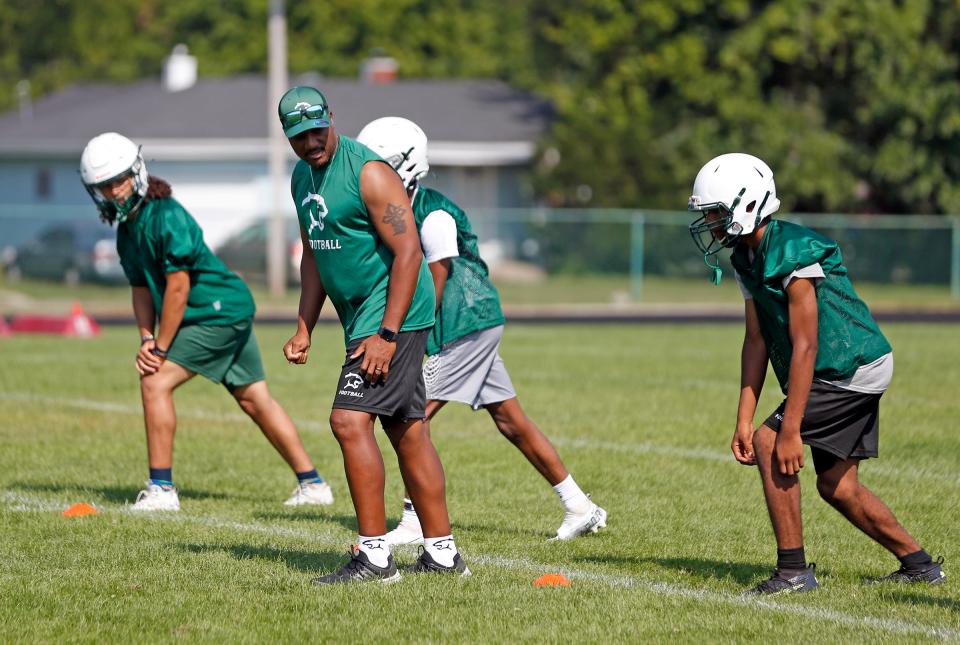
<point>715,228</point>
<point>115,210</point>
<point>401,163</point>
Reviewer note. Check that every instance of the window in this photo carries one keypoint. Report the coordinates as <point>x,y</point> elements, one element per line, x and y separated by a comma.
<point>43,183</point>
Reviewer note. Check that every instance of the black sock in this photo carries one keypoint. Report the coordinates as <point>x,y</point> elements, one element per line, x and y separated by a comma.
<point>791,559</point>
<point>916,561</point>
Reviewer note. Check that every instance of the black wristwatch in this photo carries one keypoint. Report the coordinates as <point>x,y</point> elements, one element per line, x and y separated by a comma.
<point>387,334</point>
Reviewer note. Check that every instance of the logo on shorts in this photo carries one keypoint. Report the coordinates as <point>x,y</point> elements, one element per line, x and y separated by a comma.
<point>352,381</point>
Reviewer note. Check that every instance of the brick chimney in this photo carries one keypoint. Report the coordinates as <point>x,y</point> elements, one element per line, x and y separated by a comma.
<point>379,68</point>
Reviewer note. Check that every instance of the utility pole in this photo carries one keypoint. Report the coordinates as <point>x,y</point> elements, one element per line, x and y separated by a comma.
<point>276,158</point>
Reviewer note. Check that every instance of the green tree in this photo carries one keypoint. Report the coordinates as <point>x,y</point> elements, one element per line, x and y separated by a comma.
<point>855,105</point>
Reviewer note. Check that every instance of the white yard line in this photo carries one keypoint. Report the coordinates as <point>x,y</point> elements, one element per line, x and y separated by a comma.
<point>914,472</point>
<point>15,501</point>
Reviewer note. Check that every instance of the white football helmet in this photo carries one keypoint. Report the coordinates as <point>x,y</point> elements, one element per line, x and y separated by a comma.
<point>401,143</point>
<point>734,193</point>
<point>107,157</point>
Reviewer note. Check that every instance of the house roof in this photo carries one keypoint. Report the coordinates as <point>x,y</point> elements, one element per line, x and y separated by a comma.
<point>469,122</point>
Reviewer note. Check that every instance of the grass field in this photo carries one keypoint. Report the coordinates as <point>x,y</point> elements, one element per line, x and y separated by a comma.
<point>642,416</point>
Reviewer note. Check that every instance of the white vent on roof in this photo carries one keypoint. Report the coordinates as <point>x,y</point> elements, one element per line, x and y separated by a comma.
<point>179,70</point>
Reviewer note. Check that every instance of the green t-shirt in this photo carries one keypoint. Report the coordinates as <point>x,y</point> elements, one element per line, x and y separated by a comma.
<point>353,262</point>
<point>847,335</point>
<point>163,238</point>
<point>470,301</point>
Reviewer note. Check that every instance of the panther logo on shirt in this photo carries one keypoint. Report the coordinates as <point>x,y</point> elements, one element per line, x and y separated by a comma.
<point>315,222</point>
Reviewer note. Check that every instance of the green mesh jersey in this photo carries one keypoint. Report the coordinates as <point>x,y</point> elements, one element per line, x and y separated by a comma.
<point>847,335</point>
<point>470,301</point>
<point>163,238</point>
<point>353,262</point>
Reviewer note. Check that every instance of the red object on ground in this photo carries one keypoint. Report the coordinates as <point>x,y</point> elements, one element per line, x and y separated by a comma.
<point>552,580</point>
<point>79,510</point>
<point>77,324</point>
<point>4,328</point>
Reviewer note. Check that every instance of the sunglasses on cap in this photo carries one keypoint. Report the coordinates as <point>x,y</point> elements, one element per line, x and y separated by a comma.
<point>290,119</point>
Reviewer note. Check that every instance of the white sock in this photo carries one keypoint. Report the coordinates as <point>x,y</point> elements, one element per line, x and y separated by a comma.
<point>573,499</point>
<point>409,518</point>
<point>376,549</point>
<point>441,549</point>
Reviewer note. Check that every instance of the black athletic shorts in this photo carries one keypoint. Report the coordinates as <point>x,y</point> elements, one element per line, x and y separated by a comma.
<point>837,424</point>
<point>402,397</point>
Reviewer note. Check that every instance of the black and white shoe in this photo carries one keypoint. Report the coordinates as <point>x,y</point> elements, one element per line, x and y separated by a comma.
<point>784,581</point>
<point>932,574</point>
<point>426,564</point>
<point>360,569</point>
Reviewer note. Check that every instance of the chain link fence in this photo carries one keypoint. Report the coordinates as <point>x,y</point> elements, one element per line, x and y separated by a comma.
<point>68,244</point>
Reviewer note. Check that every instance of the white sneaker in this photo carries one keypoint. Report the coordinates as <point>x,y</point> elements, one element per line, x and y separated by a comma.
<point>408,531</point>
<point>577,524</point>
<point>156,498</point>
<point>318,494</point>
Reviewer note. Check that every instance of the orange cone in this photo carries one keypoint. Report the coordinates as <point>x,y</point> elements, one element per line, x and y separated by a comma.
<point>552,580</point>
<point>79,510</point>
<point>79,324</point>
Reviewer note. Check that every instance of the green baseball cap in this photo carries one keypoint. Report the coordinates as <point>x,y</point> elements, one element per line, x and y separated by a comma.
<point>303,108</point>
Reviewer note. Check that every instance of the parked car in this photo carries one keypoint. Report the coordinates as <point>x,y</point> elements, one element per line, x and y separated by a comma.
<point>70,251</point>
<point>245,252</point>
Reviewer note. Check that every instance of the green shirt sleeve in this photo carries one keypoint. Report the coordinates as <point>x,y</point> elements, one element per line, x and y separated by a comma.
<point>182,240</point>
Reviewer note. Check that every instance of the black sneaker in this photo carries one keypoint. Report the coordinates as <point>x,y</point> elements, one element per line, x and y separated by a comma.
<point>360,569</point>
<point>426,564</point>
<point>932,575</point>
<point>784,581</point>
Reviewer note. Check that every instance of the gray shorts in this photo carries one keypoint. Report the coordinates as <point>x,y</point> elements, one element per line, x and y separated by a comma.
<point>470,370</point>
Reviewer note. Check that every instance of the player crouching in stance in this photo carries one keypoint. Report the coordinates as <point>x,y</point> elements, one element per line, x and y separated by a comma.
<point>205,315</point>
<point>464,364</point>
<point>830,358</point>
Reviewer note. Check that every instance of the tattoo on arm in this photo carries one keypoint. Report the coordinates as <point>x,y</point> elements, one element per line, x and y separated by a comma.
<point>394,218</point>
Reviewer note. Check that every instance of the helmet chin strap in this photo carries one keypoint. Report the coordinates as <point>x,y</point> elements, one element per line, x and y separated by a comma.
<point>717,271</point>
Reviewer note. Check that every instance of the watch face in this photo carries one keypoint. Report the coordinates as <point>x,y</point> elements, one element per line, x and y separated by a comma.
<point>388,334</point>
